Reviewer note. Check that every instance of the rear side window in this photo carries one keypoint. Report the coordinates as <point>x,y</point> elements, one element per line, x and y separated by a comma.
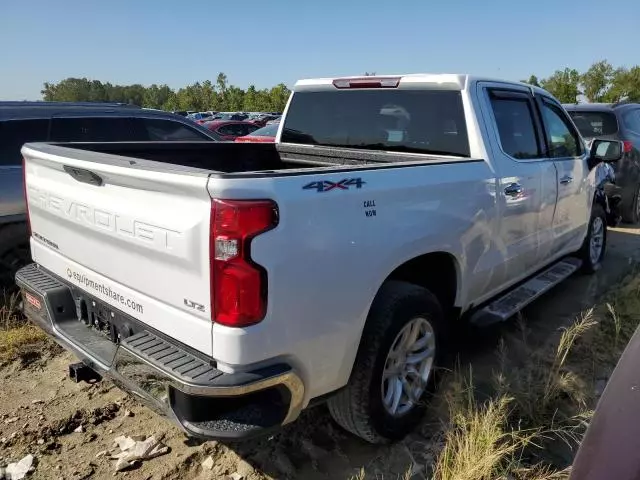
<point>166,130</point>
<point>632,121</point>
<point>417,121</point>
<point>594,124</point>
<point>15,133</point>
<point>516,127</point>
<point>93,129</point>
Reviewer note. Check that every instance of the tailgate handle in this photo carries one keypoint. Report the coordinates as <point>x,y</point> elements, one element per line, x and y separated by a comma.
<point>84,176</point>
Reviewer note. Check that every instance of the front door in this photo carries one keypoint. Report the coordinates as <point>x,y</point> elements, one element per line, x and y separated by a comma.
<point>575,187</point>
<point>526,181</point>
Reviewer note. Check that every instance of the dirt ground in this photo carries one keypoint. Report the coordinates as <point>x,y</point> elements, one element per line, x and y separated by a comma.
<point>40,408</point>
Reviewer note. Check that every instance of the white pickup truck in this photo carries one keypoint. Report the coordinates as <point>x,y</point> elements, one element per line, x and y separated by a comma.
<point>230,286</point>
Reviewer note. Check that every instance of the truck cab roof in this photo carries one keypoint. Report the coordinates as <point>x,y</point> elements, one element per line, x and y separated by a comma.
<point>445,81</point>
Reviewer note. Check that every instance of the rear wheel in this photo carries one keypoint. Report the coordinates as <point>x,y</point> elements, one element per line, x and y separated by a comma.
<point>631,214</point>
<point>14,252</point>
<point>595,243</point>
<point>393,371</point>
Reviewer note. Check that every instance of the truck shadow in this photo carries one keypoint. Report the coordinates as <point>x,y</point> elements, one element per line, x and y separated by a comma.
<point>314,447</point>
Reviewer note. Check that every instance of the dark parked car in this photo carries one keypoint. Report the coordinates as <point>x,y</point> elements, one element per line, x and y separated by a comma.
<point>22,122</point>
<point>229,129</point>
<point>620,121</point>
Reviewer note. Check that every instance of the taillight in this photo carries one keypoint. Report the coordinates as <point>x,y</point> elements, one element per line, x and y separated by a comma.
<point>238,284</point>
<point>367,82</point>
<point>24,191</point>
<point>627,146</point>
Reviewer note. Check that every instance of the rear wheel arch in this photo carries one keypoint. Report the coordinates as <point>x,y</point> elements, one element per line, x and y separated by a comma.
<point>438,272</point>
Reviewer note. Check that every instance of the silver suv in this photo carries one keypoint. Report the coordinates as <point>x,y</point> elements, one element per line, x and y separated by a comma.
<point>22,122</point>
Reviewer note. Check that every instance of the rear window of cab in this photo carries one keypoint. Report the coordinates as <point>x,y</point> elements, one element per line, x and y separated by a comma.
<point>412,121</point>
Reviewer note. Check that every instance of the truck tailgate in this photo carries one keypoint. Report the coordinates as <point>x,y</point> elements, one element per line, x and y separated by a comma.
<point>134,238</point>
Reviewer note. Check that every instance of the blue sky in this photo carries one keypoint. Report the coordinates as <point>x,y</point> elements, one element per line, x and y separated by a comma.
<point>270,41</point>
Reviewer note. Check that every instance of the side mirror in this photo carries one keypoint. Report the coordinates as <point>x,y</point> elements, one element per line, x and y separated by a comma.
<point>604,151</point>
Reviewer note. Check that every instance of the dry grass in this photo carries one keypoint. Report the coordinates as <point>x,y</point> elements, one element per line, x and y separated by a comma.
<point>539,379</point>
<point>10,315</point>
<point>542,396</point>
<point>18,338</point>
<point>478,444</point>
<point>530,425</point>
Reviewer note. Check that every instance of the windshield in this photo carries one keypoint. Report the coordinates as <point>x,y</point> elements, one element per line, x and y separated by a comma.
<point>268,131</point>
<point>417,121</point>
<point>594,123</point>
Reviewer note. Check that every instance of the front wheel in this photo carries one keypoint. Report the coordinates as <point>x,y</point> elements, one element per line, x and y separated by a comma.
<point>384,399</point>
<point>595,243</point>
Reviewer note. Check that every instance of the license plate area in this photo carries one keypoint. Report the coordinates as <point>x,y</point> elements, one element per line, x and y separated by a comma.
<point>103,319</point>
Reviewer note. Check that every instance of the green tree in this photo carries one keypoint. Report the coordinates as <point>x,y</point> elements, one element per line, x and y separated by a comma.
<point>279,96</point>
<point>234,98</point>
<point>563,84</point>
<point>156,96</point>
<point>597,81</point>
<point>625,85</point>
<point>68,90</point>
<point>208,94</point>
<point>221,90</point>
<point>252,99</point>
<point>200,96</point>
<point>533,80</point>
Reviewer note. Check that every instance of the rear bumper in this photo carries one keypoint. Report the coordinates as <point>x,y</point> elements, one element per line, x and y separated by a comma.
<point>168,377</point>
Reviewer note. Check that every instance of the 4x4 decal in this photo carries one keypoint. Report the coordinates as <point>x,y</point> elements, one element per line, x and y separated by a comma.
<point>326,185</point>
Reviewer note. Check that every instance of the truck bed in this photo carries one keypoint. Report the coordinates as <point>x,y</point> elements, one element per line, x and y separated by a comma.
<point>230,159</point>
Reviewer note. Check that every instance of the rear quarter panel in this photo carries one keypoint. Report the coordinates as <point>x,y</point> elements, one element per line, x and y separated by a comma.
<point>333,249</point>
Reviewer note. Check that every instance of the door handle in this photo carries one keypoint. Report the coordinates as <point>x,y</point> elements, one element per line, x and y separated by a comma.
<point>513,190</point>
<point>566,180</point>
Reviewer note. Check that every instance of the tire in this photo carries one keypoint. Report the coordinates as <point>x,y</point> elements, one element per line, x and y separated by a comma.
<point>359,408</point>
<point>631,214</point>
<point>14,252</point>
<point>597,223</point>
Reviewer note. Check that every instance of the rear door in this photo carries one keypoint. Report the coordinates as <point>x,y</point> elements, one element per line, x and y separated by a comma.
<point>575,194</point>
<point>526,190</point>
<point>93,129</point>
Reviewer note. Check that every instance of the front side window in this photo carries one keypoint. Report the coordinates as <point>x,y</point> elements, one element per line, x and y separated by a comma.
<point>414,121</point>
<point>563,140</point>
<point>516,128</point>
<point>15,133</point>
